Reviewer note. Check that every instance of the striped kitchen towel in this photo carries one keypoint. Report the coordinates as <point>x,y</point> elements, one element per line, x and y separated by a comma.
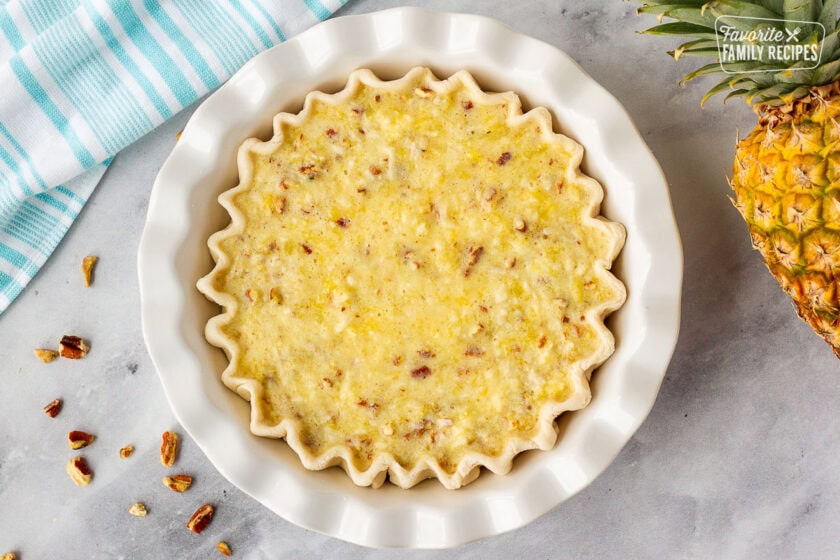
<point>82,79</point>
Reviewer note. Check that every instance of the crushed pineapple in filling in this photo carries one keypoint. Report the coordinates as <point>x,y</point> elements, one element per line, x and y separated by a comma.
<point>411,277</point>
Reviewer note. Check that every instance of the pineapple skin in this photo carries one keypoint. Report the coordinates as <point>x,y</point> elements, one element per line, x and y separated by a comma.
<point>786,180</point>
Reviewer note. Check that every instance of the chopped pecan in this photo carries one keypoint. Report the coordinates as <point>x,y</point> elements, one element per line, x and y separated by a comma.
<point>280,204</point>
<point>200,519</point>
<point>510,262</point>
<point>178,483</point>
<point>519,224</point>
<point>473,254</point>
<point>78,440</point>
<point>46,355</point>
<point>473,351</point>
<point>306,248</point>
<point>342,222</point>
<point>559,186</point>
<point>426,353</point>
<point>53,408</point>
<point>79,471</point>
<point>222,546</point>
<point>73,347</point>
<point>467,104</point>
<point>375,170</point>
<point>126,452</point>
<point>542,341</point>
<point>168,448</point>
<point>330,132</point>
<point>422,92</point>
<point>421,373</point>
<point>504,158</point>
<point>138,510</point>
<point>87,268</point>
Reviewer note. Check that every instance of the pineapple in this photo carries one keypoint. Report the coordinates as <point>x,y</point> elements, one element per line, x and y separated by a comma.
<point>786,174</point>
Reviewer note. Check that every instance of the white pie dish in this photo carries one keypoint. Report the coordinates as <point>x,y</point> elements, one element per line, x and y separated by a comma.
<point>183,213</point>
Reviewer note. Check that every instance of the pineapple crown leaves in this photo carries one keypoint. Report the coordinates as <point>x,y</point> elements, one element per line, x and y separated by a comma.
<point>758,81</point>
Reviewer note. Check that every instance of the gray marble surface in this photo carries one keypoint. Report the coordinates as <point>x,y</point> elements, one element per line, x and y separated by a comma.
<point>738,458</point>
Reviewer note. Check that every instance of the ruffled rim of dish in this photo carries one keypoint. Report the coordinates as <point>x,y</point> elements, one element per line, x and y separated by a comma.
<point>384,464</point>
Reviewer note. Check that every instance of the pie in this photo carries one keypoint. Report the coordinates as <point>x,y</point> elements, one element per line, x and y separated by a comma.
<point>414,280</point>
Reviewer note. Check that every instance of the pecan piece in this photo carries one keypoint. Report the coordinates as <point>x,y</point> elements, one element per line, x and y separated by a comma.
<point>474,351</point>
<point>473,254</point>
<point>53,408</point>
<point>77,439</point>
<point>504,158</point>
<point>200,519</point>
<point>73,347</point>
<point>178,483</point>
<point>46,355</point>
<point>126,452</point>
<point>224,548</point>
<point>138,510</point>
<point>421,373</point>
<point>87,269</point>
<point>79,472</point>
<point>168,448</point>
<point>520,224</point>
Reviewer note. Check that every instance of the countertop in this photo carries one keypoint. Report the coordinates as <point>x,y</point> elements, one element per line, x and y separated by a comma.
<point>738,458</point>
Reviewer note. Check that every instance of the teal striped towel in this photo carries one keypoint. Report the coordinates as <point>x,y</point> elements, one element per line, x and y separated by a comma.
<point>82,79</point>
